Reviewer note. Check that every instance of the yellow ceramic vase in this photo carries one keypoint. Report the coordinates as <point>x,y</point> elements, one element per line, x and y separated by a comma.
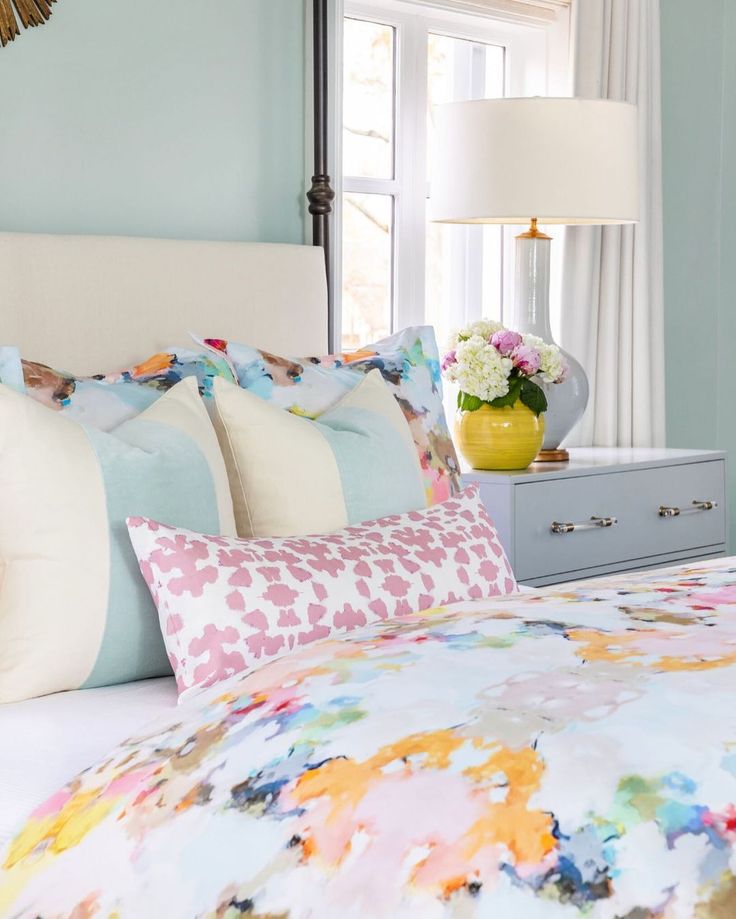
<point>499,438</point>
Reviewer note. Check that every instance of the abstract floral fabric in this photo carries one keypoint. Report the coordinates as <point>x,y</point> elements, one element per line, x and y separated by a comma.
<point>106,400</point>
<point>410,365</point>
<point>565,754</point>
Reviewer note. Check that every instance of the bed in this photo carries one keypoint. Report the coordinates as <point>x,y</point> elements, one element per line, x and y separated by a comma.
<point>569,752</point>
<point>91,304</point>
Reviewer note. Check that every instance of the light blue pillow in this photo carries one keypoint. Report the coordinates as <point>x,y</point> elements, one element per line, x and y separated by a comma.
<point>74,610</point>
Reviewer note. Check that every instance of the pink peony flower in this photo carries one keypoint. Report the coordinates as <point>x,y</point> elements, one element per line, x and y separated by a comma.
<point>449,359</point>
<point>527,360</point>
<point>505,341</point>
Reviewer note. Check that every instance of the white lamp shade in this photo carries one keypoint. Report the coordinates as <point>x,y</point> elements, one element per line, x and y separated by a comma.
<point>559,160</point>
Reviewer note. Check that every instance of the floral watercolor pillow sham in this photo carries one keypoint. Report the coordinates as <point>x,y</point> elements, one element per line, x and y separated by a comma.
<point>226,605</point>
<point>104,401</point>
<point>409,363</point>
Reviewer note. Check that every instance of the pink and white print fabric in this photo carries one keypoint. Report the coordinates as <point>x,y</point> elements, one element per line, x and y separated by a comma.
<point>227,605</point>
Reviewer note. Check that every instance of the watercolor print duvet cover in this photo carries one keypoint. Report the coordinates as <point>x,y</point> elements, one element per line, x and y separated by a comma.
<point>557,755</point>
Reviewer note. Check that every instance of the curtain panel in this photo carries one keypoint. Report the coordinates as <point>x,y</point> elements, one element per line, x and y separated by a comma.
<point>612,286</point>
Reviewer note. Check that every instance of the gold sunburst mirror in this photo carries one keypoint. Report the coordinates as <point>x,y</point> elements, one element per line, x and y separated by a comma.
<point>29,12</point>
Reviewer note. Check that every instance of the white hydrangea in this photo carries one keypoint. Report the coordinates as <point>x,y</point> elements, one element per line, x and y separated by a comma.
<point>533,341</point>
<point>483,328</point>
<point>480,370</point>
<point>553,366</point>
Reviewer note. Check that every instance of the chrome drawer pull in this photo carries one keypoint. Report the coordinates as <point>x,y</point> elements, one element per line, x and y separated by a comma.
<point>678,511</point>
<point>598,523</point>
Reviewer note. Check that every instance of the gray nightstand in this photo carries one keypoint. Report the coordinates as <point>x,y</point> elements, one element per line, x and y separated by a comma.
<point>608,510</point>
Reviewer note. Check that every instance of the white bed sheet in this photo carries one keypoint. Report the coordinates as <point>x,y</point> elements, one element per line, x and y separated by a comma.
<point>47,741</point>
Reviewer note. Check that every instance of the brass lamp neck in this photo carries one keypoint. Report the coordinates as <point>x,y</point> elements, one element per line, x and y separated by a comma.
<point>533,232</point>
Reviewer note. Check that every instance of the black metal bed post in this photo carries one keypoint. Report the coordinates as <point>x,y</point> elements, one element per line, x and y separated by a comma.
<point>321,194</point>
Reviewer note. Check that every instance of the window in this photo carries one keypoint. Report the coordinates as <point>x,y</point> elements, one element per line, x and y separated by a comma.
<point>463,264</point>
<point>400,60</point>
<point>369,195</point>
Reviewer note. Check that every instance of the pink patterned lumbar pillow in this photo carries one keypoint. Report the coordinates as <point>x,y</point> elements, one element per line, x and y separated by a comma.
<point>227,605</point>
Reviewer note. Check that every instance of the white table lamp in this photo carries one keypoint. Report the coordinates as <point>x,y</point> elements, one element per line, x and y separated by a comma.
<point>524,161</point>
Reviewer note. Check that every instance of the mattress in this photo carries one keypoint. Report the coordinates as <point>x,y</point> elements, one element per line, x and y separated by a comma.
<point>47,741</point>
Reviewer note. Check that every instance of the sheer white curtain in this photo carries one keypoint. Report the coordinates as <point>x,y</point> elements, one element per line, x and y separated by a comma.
<point>612,288</point>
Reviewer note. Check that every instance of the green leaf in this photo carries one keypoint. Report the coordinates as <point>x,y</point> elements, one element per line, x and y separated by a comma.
<point>511,396</point>
<point>532,395</point>
<point>469,403</point>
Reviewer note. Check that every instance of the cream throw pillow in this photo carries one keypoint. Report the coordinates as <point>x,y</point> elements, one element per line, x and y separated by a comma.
<point>293,476</point>
<point>74,610</point>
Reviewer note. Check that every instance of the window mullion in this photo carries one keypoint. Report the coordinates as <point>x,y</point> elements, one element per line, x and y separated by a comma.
<point>464,264</point>
<point>411,175</point>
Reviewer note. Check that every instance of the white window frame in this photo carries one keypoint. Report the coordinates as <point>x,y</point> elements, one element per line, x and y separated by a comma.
<point>535,64</point>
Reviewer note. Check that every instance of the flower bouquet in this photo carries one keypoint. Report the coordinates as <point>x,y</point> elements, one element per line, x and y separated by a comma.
<point>498,369</point>
<point>493,365</point>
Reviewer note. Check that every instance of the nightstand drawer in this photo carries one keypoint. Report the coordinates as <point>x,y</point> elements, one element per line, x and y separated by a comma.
<point>634,498</point>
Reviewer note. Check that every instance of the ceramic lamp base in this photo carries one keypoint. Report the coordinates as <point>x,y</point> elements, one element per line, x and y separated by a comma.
<point>566,401</point>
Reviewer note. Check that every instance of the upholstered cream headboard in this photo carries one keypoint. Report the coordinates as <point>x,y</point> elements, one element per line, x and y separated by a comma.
<point>89,304</point>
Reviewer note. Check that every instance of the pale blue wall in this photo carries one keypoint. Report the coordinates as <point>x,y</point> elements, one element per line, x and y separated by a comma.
<point>175,118</point>
<point>726,419</point>
<point>699,158</point>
